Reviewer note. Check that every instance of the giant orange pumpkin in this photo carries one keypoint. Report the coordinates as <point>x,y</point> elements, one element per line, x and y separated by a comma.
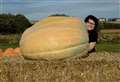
<point>55,38</point>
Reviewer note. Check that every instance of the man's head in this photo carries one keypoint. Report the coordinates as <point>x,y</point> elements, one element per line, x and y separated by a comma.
<point>91,22</point>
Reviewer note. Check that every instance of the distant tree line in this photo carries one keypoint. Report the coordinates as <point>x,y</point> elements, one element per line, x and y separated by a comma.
<point>60,15</point>
<point>11,24</point>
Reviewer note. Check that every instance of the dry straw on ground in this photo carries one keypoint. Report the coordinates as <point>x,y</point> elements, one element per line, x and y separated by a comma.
<point>97,67</point>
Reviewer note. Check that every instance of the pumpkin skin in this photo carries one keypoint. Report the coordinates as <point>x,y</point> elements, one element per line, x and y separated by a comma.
<point>9,52</point>
<point>17,51</point>
<point>1,53</point>
<point>55,38</point>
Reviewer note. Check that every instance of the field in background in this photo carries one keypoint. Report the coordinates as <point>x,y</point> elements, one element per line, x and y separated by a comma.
<point>109,40</point>
<point>110,31</point>
<point>108,46</point>
<point>11,40</point>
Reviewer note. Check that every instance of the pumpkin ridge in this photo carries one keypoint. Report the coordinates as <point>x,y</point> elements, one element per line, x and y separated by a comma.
<point>71,46</point>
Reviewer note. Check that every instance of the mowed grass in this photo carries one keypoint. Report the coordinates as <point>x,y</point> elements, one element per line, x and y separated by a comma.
<point>13,42</point>
<point>6,45</point>
<point>101,46</point>
<point>108,46</point>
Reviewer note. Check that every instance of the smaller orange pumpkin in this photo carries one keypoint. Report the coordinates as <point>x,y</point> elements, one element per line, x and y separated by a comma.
<point>1,53</point>
<point>9,52</point>
<point>17,51</point>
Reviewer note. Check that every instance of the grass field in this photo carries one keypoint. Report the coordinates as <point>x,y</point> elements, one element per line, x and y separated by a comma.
<point>5,45</point>
<point>113,46</point>
<point>101,46</point>
<point>108,46</point>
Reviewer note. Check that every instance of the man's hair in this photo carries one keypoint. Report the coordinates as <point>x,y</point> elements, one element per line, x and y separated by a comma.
<point>92,18</point>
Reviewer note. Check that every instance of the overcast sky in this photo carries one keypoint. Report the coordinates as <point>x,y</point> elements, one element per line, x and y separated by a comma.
<point>37,9</point>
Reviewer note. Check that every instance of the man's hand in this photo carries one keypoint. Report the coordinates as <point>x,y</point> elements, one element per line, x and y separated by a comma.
<point>92,45</point>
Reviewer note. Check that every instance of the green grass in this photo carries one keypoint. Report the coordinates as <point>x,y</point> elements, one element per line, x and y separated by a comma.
<point>101,46</point>
<point>7,41</point>
<point>5,45</point>
<point>10,40</point>
<point>108,46</point>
